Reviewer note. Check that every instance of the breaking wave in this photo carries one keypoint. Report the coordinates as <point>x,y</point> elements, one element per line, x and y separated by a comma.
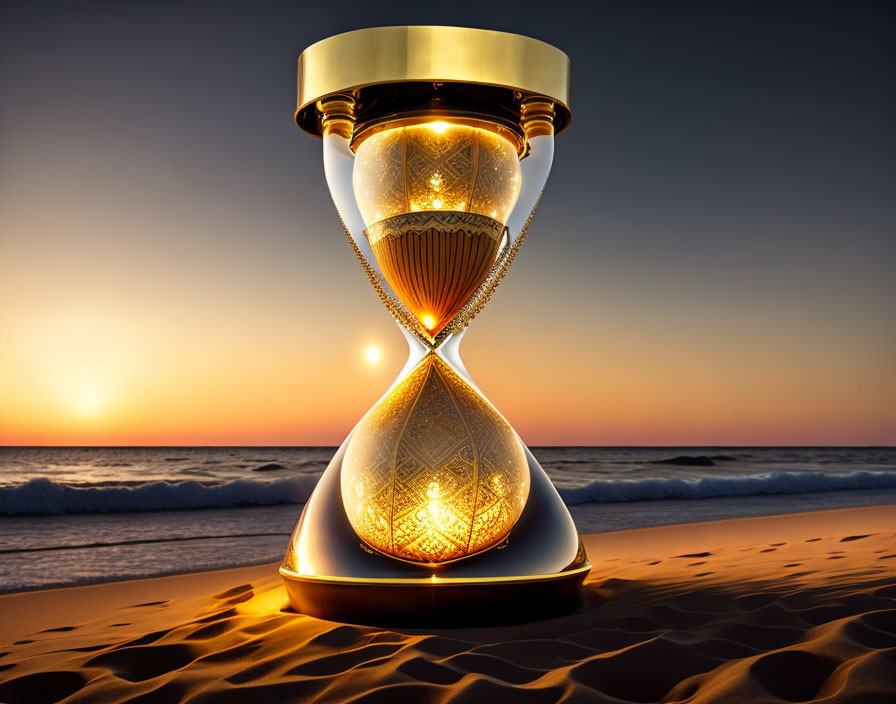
<point>45,497</point>
<point>615,491</point>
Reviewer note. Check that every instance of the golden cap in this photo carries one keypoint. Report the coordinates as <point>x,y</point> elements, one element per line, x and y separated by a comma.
<point>393,55</point>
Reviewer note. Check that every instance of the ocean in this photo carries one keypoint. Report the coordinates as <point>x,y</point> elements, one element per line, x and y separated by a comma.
<point>79,515</point>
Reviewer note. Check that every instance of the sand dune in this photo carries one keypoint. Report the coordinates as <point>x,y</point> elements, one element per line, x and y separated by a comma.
<point>793,608</point>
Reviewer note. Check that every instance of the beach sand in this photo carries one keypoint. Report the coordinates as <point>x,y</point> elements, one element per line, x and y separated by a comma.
<point>787,608</point>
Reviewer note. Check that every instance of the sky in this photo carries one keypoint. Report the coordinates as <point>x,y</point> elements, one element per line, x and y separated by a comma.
<point>712,262</point>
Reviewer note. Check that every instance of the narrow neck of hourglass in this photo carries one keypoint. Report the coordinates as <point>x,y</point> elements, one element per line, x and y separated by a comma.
<point>448,351</point>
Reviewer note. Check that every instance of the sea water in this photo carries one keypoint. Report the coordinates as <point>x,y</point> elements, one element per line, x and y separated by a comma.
<point>80,515</point>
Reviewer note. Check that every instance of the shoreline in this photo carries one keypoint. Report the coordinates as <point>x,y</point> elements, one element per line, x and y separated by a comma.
<point>634,541</point>
<point>106,548</point>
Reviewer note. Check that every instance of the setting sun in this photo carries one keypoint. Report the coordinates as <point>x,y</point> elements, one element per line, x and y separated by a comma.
<point>373,354</point>
<point>89,405</point>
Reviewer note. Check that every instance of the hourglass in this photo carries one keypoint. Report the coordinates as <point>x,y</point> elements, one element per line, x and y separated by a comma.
<point>437,145</point>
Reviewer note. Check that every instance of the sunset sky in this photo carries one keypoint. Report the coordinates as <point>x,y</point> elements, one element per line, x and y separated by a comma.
<point>713,261</point>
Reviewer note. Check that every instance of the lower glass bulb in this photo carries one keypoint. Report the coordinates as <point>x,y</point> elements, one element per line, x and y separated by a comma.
<point>433,473</point>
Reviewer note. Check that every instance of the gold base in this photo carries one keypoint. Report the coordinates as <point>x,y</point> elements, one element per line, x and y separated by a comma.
<point>453,602</point>
<point>536,572</point>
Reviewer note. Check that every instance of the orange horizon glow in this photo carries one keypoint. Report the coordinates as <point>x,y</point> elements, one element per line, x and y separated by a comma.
<point>174,274</point>
<point>82,378</point>
<point>162,368</point>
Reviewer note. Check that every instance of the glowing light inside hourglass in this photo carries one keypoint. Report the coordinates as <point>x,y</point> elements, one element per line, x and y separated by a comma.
<point>433,497</point>
<point>435,197</point>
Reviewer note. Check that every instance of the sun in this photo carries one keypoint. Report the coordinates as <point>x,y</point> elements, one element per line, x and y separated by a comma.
<point>372,354</point>
<point>89,404</point>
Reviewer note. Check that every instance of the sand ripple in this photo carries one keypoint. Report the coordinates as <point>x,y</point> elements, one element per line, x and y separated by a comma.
<point>738,624</point>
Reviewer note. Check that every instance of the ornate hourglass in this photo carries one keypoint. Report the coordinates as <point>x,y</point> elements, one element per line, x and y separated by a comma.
<point>437,145</point>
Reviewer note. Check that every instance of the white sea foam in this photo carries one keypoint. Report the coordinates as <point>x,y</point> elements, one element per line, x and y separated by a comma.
<point>619,490</point>
<point>43,496</point>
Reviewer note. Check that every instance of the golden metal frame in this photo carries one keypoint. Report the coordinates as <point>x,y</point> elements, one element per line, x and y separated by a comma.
<point>516,138</point>
<point>422,581</point>
<point>389,55</point>
<point>535,573</point>
<point>352,85</point>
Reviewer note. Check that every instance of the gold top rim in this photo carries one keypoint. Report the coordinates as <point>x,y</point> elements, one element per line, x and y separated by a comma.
<point>412,54</point>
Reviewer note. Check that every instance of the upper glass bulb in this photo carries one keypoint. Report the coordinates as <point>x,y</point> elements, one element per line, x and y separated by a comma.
<point>436,166</point>
<point>435,197</point>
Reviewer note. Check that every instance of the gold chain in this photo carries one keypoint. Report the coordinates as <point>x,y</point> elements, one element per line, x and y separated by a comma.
<point>485,290</point>
<point>470,310</point>
<point>393,305</point>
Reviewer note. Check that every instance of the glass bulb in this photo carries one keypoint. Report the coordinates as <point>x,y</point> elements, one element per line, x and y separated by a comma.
<point>435,198</point>
<point>436,166</point>
<point>433,473</point>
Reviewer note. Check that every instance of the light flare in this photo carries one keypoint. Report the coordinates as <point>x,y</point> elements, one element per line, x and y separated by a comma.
<point>373,354</point>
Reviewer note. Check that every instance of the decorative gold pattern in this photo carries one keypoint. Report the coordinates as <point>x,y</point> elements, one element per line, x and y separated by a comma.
<point>472,308</point>
<point>442,220</point>
<point>537,117</point>
<point>436,166</point>
<point>337,115</point>
<point>433,473</point>
<point>434,261</point>
<point>482,294</point>
<point>395,307</point>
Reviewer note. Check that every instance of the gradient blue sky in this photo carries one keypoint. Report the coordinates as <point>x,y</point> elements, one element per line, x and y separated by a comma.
<point>712,262</point>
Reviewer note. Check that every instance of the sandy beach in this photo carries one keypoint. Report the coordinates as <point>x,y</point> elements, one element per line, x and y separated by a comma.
<point>799,607</point>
